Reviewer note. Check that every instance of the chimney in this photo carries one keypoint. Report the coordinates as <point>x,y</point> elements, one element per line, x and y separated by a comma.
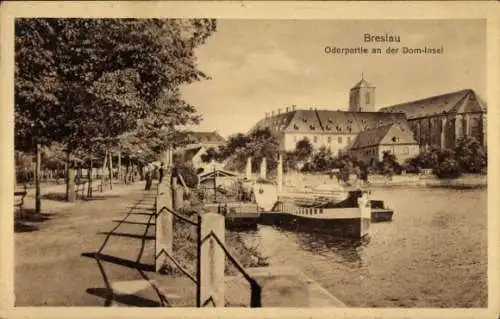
<point>293,107</point>
<point>267,114</point>
<point>272,113</point>
<point>287,108</point>
<point>279,111</point>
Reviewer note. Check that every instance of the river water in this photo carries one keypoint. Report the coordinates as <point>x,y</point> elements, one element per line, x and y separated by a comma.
<point>433,253</point>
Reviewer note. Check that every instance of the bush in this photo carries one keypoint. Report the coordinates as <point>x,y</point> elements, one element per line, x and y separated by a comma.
<point>188,173</point>
<point>470,155</point>
<point>448,168</point>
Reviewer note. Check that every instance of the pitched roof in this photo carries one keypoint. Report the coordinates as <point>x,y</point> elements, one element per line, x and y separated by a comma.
<point>455,102</point>
<point>304,121</point>
<point>363,84</point>
<point>387,134</point>
<point>206,137</point>
<point>281,120</point>
<point>216,173</point>
<point>327,121</point>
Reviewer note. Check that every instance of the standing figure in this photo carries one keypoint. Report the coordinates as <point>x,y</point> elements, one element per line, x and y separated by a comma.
<point>148,177</point>
<point>161,171</point>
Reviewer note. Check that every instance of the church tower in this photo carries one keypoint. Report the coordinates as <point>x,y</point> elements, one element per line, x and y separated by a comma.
<point>362,97</point>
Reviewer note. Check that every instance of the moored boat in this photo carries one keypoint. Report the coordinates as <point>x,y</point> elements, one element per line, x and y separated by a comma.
<point>349,217</point>
<point>379,212</point>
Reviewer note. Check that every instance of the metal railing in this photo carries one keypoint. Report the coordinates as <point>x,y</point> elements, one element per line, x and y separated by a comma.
<point>255,288</point>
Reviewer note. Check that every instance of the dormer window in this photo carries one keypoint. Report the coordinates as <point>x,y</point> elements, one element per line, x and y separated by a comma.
<point>328,128</point>
<point>295,126</point>
<point>312,127</point>
<point>330,120</point>
<point>304,120</point>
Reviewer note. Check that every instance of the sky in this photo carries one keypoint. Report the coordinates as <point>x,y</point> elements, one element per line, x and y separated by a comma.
<point>259,66</point>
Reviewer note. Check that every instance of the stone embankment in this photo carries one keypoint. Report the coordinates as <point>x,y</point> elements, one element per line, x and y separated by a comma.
<point>408,180</point>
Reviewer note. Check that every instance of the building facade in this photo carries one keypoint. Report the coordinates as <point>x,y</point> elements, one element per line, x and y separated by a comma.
<point>443,120</point>
<point>435,121</point>
<point>394,138</point>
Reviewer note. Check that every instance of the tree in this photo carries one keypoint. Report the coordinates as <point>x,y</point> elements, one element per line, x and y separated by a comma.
<point>211,154</point>
<point>322,160</point>
<point>470,155</point>
<point>87,81</point>
<point>389,164</point>
<point>257,145</point>
<point>303,149</point>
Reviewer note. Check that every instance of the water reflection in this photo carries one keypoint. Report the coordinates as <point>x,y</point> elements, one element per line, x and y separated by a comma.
<point>326,245</point>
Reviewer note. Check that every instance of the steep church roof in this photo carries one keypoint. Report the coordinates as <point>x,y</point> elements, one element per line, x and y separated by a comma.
<point>463,101</point>
<point>363,84</point>
<point>389,134</point>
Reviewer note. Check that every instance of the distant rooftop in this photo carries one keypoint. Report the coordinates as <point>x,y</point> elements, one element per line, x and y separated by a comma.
<point>462,101</point>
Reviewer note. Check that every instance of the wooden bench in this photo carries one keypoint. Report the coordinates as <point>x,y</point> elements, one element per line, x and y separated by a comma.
<point>19,200</point>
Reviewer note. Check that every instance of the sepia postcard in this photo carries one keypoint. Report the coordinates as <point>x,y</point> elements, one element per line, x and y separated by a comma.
<point>301,159</point>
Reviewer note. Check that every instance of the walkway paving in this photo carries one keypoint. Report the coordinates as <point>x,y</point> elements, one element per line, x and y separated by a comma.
<point>55,263</point>
<point>101,253</point>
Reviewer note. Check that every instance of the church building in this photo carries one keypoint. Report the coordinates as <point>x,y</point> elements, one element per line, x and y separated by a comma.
<point>443,120</point>
<point>363,131</point>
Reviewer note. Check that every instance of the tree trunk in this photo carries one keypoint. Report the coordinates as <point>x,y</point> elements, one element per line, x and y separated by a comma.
<point>110,170</point>
<point>103,170</point>
<point>119,166</point>
<point>127,167</point>
<point>70,179</point>
<point>89,190</point>
<point>38,202</point>
<point>132,173</point>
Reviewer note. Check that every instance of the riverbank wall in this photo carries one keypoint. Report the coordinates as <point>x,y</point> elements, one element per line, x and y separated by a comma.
<point>466,181</point>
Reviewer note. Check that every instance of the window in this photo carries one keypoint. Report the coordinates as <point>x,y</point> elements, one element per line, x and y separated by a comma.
<point>315,139</point>
<point>340,139</point>
<point>406,150</point>
<point>348,139</point>
<point>367,98</point>
<point>329,139</point>
<point>295,138</point>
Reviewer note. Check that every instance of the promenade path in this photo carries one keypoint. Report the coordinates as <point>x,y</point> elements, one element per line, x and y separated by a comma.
<point>100,252</point>
<point>55,263</point>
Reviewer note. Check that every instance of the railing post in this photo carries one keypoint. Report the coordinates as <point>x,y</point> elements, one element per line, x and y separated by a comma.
<point>255,297</point>
<point>177,196</point>
<point>164,226</point>
<point>211,260</point>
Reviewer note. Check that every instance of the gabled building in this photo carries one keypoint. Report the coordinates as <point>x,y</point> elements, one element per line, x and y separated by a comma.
<point>205,139</point>
<point>439,121</point>
<point>335,130</point>
<point>443,120</point>
<point>395,138</point>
